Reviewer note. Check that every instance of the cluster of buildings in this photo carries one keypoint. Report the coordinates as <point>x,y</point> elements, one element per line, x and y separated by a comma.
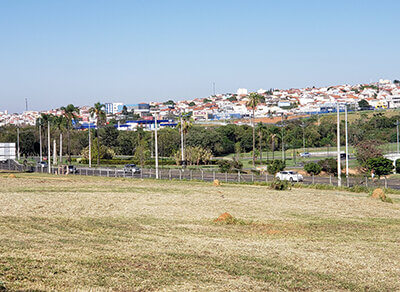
<point>275,103</point>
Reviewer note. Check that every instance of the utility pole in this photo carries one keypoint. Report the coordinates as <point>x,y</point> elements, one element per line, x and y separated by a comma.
<point>283,144</point>
<point>18,155</point>
<point>303,125</point>
<point>48,147</point>
<point>54,152</point>
<point>182,148</point>
<point>339,182</point>
<point>90,148</point>
<point>156,144</point>
<point>347,144</point>
<point>26,104</point>
<point>61,156</point>
<point>40,141</point>
<point>397,128</point>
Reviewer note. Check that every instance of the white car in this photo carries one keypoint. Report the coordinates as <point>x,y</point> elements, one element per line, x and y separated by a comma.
<point>291,176</point>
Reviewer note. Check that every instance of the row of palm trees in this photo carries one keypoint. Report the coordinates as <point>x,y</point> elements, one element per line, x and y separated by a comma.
<point>69,118</point>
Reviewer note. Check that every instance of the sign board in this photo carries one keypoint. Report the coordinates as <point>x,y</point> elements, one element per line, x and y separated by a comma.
<point>7,151</point>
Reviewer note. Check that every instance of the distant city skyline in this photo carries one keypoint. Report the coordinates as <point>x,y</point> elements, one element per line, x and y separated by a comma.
<point>81,52</point>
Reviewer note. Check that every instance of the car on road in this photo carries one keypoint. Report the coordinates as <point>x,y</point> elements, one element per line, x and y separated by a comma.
<point>305,154</point>
<point>42,164</point>
<point>132,169</point>
<point>292,176</point>
<point>72,169</point>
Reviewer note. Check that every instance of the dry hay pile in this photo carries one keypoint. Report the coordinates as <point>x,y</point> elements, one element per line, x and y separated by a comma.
<point>378,194</point>
<point>224,218</point>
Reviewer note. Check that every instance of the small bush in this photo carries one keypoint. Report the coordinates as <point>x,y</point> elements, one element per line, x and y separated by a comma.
<point>313,168</point>
<point>276,166</point>
<point>398,166</point>
<point>329,165</point>
<point>230,165</point>
<point>280,185</point>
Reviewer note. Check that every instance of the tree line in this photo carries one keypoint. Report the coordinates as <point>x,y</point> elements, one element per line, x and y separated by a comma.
<point>315,131</point>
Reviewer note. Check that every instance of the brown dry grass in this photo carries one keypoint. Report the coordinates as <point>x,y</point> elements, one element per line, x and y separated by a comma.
<point>67,233</point>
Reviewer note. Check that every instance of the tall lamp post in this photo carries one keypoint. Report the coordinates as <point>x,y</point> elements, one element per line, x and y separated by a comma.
<point>347,146</point>
<point>339,182</point>
<point>18,155</point>
<point>90,148</point>
<point>48,148</point>
<point>156,143</point>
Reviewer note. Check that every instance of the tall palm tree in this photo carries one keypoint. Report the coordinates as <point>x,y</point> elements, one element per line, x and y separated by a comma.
<point>70,113</point>
<point>185,124</point>
<point>254,100</point>
<point>98,111</point>
<point>272,139</point>
<point>261,130</point>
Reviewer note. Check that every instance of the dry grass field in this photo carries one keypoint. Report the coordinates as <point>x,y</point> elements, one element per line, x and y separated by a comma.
<point>87,233</point>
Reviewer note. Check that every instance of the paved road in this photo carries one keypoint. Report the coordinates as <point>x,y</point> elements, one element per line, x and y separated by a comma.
<point>179,174</point>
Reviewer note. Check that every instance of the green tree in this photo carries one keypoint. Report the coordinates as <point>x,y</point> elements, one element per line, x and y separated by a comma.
<point>70,112</point>
<point>98,111</point>
<point>313,168</point>
<point>363,104</point>
<point>254,100</point>
<point>276,166</point>
<point>366,150</point>
<point>142,152</point>
<point>329,165</point>
<point>380,165</point>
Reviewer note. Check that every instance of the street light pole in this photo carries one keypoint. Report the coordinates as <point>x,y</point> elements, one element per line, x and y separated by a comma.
<point>283,144</point>
<point>182,148</point>
<point>156,144</point>
<point>48,148</point>
<point>338,148</point>
<point>40,141</point>
<point>18,155</point>
<point>397,128</point>
<point>347,144</point>
<point>90,148</point>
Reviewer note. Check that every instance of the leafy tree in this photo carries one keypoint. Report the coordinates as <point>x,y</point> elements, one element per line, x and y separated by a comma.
<point>232,98</point>
<point>329,165</point>
<point>363,104</point>
<point>169,102</point>
<point>109,136</point>
<point>142,152</point>
<point>313,168</point>
<point>230,165</point>
<point>192,103</point>
<point>254,100</point>
<point>98,111</point>
<point>397,165</point>
<point>380,165</point>
<point>366,150</point>
<point>105,152</point>
<point>276,166</point>
<point>70,113</point>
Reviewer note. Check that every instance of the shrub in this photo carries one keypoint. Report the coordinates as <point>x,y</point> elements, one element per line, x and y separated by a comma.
<point>313,168</point>
<point>230,165</point>
<point>276,166</point>
<point>398,166</point>
<point>329,165</point>
<point>280,185</point>
<point>380,165</point>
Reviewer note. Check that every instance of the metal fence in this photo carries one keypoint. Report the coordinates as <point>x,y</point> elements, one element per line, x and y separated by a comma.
<point>200,175</point>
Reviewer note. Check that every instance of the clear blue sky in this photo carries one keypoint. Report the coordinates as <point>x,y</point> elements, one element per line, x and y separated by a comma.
<point>59,52</point>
